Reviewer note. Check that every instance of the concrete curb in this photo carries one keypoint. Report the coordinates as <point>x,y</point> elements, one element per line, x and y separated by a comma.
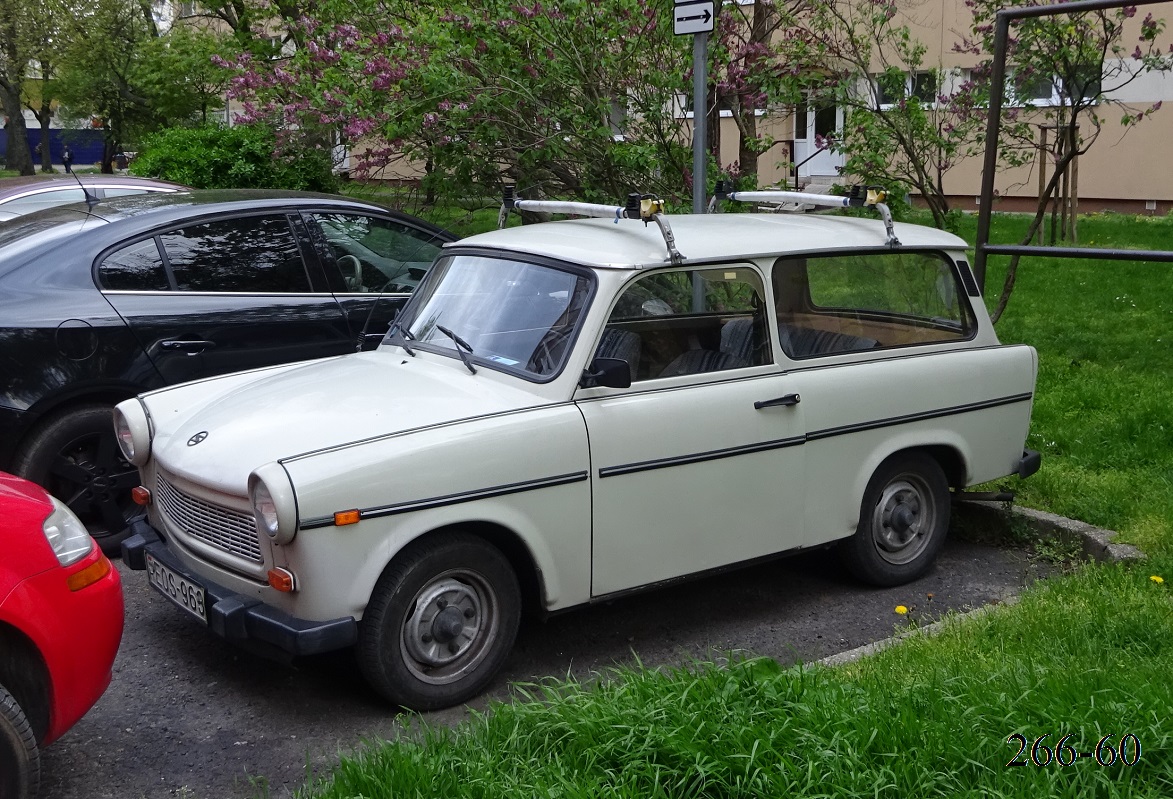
<point>1097,545</point>
<point>1097,542</point>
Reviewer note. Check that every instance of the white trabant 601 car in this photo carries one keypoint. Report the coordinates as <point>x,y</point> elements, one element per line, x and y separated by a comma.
<point>570,411</point>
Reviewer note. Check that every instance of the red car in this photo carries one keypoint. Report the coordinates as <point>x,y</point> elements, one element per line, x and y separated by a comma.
<point>61,619</point>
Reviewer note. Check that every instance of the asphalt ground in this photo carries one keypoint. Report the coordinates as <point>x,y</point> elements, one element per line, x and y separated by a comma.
<point>188,715</point>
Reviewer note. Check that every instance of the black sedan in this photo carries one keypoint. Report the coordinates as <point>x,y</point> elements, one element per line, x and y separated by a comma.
<point>103,301</point>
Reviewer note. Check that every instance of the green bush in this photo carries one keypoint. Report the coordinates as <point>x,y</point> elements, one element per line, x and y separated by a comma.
<point>240,157</point>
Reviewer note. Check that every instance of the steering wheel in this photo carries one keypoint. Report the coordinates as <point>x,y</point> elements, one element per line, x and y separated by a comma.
<point>351,269</point>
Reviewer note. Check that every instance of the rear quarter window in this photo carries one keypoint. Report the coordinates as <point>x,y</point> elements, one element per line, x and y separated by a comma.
<point>857,301</point>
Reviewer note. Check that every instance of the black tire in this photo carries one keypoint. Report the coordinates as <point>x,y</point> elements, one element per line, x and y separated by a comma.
<point>20,759</point>
<point>75,456</point>
<point>440,623</point>
<point>902,522</point>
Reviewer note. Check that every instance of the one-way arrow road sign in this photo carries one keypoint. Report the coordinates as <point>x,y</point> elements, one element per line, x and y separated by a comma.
<point>692,16</point>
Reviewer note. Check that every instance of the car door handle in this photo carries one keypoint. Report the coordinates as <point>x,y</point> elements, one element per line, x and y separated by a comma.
<point>187,346</point>
<point>786,399</point>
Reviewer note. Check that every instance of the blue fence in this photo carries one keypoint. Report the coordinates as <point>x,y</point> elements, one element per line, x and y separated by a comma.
<point>85,143</point>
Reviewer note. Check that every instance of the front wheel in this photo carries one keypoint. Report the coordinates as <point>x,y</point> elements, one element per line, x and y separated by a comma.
<point>902,523</point>
<point>76,458</point>
<point>440,623</point>
<point>19,755</point>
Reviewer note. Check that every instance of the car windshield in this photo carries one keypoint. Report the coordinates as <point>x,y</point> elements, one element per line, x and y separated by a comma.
<point>514,316</point>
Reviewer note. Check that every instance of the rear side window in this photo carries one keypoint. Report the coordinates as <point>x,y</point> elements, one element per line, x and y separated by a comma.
<point>843,303</point>
<point>251,255</point>
<point>137,267</point>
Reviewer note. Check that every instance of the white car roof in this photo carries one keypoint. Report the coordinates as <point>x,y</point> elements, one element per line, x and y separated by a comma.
<point>630,244</point>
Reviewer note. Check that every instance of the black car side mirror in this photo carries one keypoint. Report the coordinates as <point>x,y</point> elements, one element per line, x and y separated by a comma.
<point>606,372</point>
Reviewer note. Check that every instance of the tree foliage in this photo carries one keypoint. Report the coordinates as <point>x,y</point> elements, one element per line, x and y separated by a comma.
<point>17,38</point>
<point>573,99</point>
<point>243,156</point>
<point>861,57</point>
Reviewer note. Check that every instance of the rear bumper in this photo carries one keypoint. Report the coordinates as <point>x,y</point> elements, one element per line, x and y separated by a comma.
<point>1029,463</point>
<point>76,634</point>
<point>243,620</point>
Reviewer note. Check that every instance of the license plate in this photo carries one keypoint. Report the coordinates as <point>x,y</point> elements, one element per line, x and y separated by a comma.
<point>178,589</point>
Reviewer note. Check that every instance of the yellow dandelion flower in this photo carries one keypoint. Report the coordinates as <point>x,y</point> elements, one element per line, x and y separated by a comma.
<point>1156,579</point>
<point>901,610</point>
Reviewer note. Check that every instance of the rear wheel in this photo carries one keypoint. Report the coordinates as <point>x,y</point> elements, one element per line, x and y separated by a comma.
<point>440,623</point>
<point>902,523</point>
<point>75,456</point>
<point>20,759</point>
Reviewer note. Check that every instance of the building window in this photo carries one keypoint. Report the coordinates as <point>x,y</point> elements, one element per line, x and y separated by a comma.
<point>894,86</point>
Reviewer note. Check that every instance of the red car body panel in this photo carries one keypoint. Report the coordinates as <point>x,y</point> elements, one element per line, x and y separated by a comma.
<point>75,632</point>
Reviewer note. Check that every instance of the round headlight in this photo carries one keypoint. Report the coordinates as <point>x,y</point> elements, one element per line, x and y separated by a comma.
<point>66,534</point>
<point>132,429</point>
<point>265,510</point>
<point>124,435</point>
<point>274,503</point>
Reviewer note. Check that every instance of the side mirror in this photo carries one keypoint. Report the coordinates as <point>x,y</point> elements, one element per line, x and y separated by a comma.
<point>606,372</point>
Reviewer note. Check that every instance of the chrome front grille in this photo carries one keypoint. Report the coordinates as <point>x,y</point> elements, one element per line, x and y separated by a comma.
<point>225,529</point>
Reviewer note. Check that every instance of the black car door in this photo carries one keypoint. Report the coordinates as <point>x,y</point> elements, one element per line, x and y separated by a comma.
<point>225,294</point>
<point>372,263</point>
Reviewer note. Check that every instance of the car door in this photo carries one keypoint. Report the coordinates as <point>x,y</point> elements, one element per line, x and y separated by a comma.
<point>698,464</point>
<point>372,264</point>
<point>225,294</point>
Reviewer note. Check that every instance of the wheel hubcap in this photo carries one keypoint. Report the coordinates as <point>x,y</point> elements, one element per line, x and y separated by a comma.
<point>450,627</point>
<point>903,519</point>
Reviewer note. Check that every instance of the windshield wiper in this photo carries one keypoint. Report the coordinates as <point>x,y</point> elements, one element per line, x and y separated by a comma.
<point>461,346</point>
<point>405,336</point>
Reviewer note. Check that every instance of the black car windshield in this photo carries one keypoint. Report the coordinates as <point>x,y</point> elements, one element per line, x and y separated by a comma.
<point>513,315</point>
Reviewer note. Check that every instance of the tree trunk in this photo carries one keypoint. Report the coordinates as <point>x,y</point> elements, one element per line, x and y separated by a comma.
<point>45,115</point>
<point>109,148</point>
<point>17,157</point>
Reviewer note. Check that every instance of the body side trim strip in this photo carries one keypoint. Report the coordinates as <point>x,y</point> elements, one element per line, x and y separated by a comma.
<point>711,455</point>
<point>831,432</point>
<point>814,435</point>
<point>453,499</point>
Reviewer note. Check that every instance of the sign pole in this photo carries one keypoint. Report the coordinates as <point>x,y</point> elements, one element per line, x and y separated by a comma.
<point>700,158</point>
<point>695,18</point>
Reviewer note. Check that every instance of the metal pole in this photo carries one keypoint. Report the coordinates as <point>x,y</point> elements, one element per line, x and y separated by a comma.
<point>997,78</point>
<point>700,158</point>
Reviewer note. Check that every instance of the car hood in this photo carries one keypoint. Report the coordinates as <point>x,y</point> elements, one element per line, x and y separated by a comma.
<point>218,440</point>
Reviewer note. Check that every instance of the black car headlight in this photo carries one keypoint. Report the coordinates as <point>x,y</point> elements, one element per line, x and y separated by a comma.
<point>132,429</point>
<point>274,503</point>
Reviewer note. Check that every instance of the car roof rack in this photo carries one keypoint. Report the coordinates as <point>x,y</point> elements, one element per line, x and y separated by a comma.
<point>857,197</point>
<point>647,207</point>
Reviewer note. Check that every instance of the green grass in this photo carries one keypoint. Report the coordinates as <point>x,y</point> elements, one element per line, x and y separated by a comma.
<point>1102,415</point>
<point>1087,655</point>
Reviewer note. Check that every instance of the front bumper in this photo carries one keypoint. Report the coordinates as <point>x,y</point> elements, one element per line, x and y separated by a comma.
<point>243,620</point>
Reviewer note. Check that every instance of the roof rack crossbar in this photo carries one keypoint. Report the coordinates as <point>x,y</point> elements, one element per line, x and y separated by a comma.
<point>857,197</point>
<point>639,206</point>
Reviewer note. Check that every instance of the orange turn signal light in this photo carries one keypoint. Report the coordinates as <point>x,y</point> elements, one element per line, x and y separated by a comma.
<point>347,517</point>
<point>140,495</point>
<point>282,580</point>
<point>89,575</point>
